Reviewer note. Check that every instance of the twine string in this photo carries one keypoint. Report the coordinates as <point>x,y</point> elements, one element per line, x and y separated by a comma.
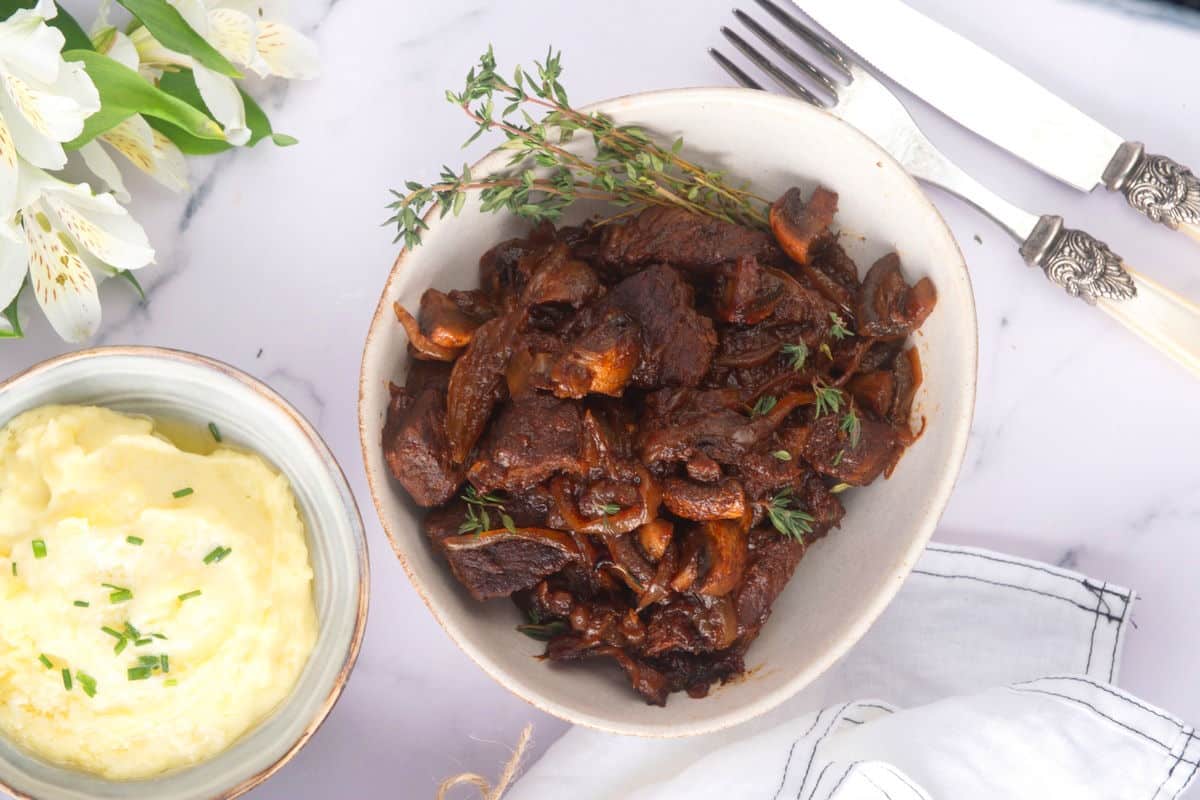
<point>486,790</point>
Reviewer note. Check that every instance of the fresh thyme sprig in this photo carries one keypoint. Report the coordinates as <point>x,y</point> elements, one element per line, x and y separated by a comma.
<point>838,329</point>
<point>852,426</point>
<point>544,176</point>
<point>828,398</point>
<point>797,354</point>
<point>478,519</point>
<point>763,405</point>
<point>787,520</point>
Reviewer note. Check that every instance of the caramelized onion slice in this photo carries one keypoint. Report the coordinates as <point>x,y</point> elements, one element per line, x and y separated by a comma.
<point>623,521</point>
<point>422,345</point>
<point>547,536</point>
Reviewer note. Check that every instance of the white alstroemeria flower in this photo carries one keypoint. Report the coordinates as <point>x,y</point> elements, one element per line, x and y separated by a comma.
<point>68,234</point>
<point>146,148</point>
<point>43,99</point>
<point>244,34</point>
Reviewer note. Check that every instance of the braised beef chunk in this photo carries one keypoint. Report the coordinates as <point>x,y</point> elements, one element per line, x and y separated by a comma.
<point>531,439</point>
<point>773,560</point>
<point>832,452</point>
<point>497,563</point>
<point>678,237</point>
<point>889,307</point>
<point>797,224</point>
<point>677,342</point>
<point>416,448</point>
<point>611,429</point>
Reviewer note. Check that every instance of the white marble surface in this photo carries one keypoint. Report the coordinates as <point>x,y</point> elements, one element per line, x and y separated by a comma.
<point>1084,448</point>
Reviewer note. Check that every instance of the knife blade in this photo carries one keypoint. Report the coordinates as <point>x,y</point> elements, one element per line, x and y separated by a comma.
<point>996,101</point>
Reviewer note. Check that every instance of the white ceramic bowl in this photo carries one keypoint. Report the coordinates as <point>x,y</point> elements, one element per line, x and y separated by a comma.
<point>167,384</point>
<point>845,580</point>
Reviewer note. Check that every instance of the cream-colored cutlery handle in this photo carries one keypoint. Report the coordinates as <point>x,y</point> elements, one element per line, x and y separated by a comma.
<point>1192,231</point>
<point>1164,319</point>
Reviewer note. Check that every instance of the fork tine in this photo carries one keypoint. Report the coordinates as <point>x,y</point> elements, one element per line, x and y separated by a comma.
<point>734,70</point>
<point>767,66</point>
<point>820,43</point>
<point>795,59</point>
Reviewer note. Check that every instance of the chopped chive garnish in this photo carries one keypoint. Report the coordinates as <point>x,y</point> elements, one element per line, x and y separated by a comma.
<point>66,673</point>
<point>217,555</point>
<point>214,430</point>
<point>135,540</point>
<point>139,673</point>
<point>159,636</point>
<point>184,492</point>
<point>86,682</point>
<point>148,661</point>
<point>82,604</point>
<point>116,634</point>
<point>14,569</point>
<point>46,662</point>
<point>39,548</point>
<point>166,663</point>
<point>189,595</point>
<point>131,632</point>
<point>170,682</point>
<point>119,594</point>
<point>120,647</point>
<point>145,640</point>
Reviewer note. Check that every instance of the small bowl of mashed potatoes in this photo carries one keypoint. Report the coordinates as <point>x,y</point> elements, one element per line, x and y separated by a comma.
<point>183,578</point>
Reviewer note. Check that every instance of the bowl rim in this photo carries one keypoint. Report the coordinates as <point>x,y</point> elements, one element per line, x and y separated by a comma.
<point>959,437</point>
<point>321,448</point>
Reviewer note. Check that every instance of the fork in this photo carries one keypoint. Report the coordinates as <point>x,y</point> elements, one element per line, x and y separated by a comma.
<point>1074,260</point>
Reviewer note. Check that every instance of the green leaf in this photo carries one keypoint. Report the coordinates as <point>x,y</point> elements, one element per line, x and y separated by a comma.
<point>182,86</point>
<point>14,321</point>
<point>170,28</point>
<point>123,93</point>
<point>133,281</point>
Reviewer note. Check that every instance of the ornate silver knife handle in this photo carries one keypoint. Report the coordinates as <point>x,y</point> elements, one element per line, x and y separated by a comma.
<point>1078,262</point>
<point>1162,189</point>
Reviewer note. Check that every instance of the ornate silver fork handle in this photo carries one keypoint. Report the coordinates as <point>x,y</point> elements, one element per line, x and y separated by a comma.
<point>1162,189</point>
<point>1084,266</point>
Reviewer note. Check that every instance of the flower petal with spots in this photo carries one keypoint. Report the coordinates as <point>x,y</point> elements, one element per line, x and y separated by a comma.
<point>63,285</point>
<point>100,225</point>
<point>286,52</point>
<point>232,33</point>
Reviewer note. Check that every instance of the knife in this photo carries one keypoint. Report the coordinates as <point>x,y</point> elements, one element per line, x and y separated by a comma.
<point>994,100</point>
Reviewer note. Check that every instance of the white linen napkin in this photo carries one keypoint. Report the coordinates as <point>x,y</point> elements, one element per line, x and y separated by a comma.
<point>961,658</point>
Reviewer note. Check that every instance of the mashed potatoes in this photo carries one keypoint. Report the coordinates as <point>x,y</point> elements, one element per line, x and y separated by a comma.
<point>155,604</point>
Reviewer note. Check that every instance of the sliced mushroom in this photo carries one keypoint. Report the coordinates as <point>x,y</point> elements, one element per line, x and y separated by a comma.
<point>797,224</point>
<point>726,544</point>
<point>703,501</point>
<point>654,537</point>
<point>600,361</point>
<point>443,322</point>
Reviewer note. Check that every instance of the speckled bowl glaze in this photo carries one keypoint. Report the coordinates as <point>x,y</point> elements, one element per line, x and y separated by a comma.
<point>168,384</point>
<point>845,580</point>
